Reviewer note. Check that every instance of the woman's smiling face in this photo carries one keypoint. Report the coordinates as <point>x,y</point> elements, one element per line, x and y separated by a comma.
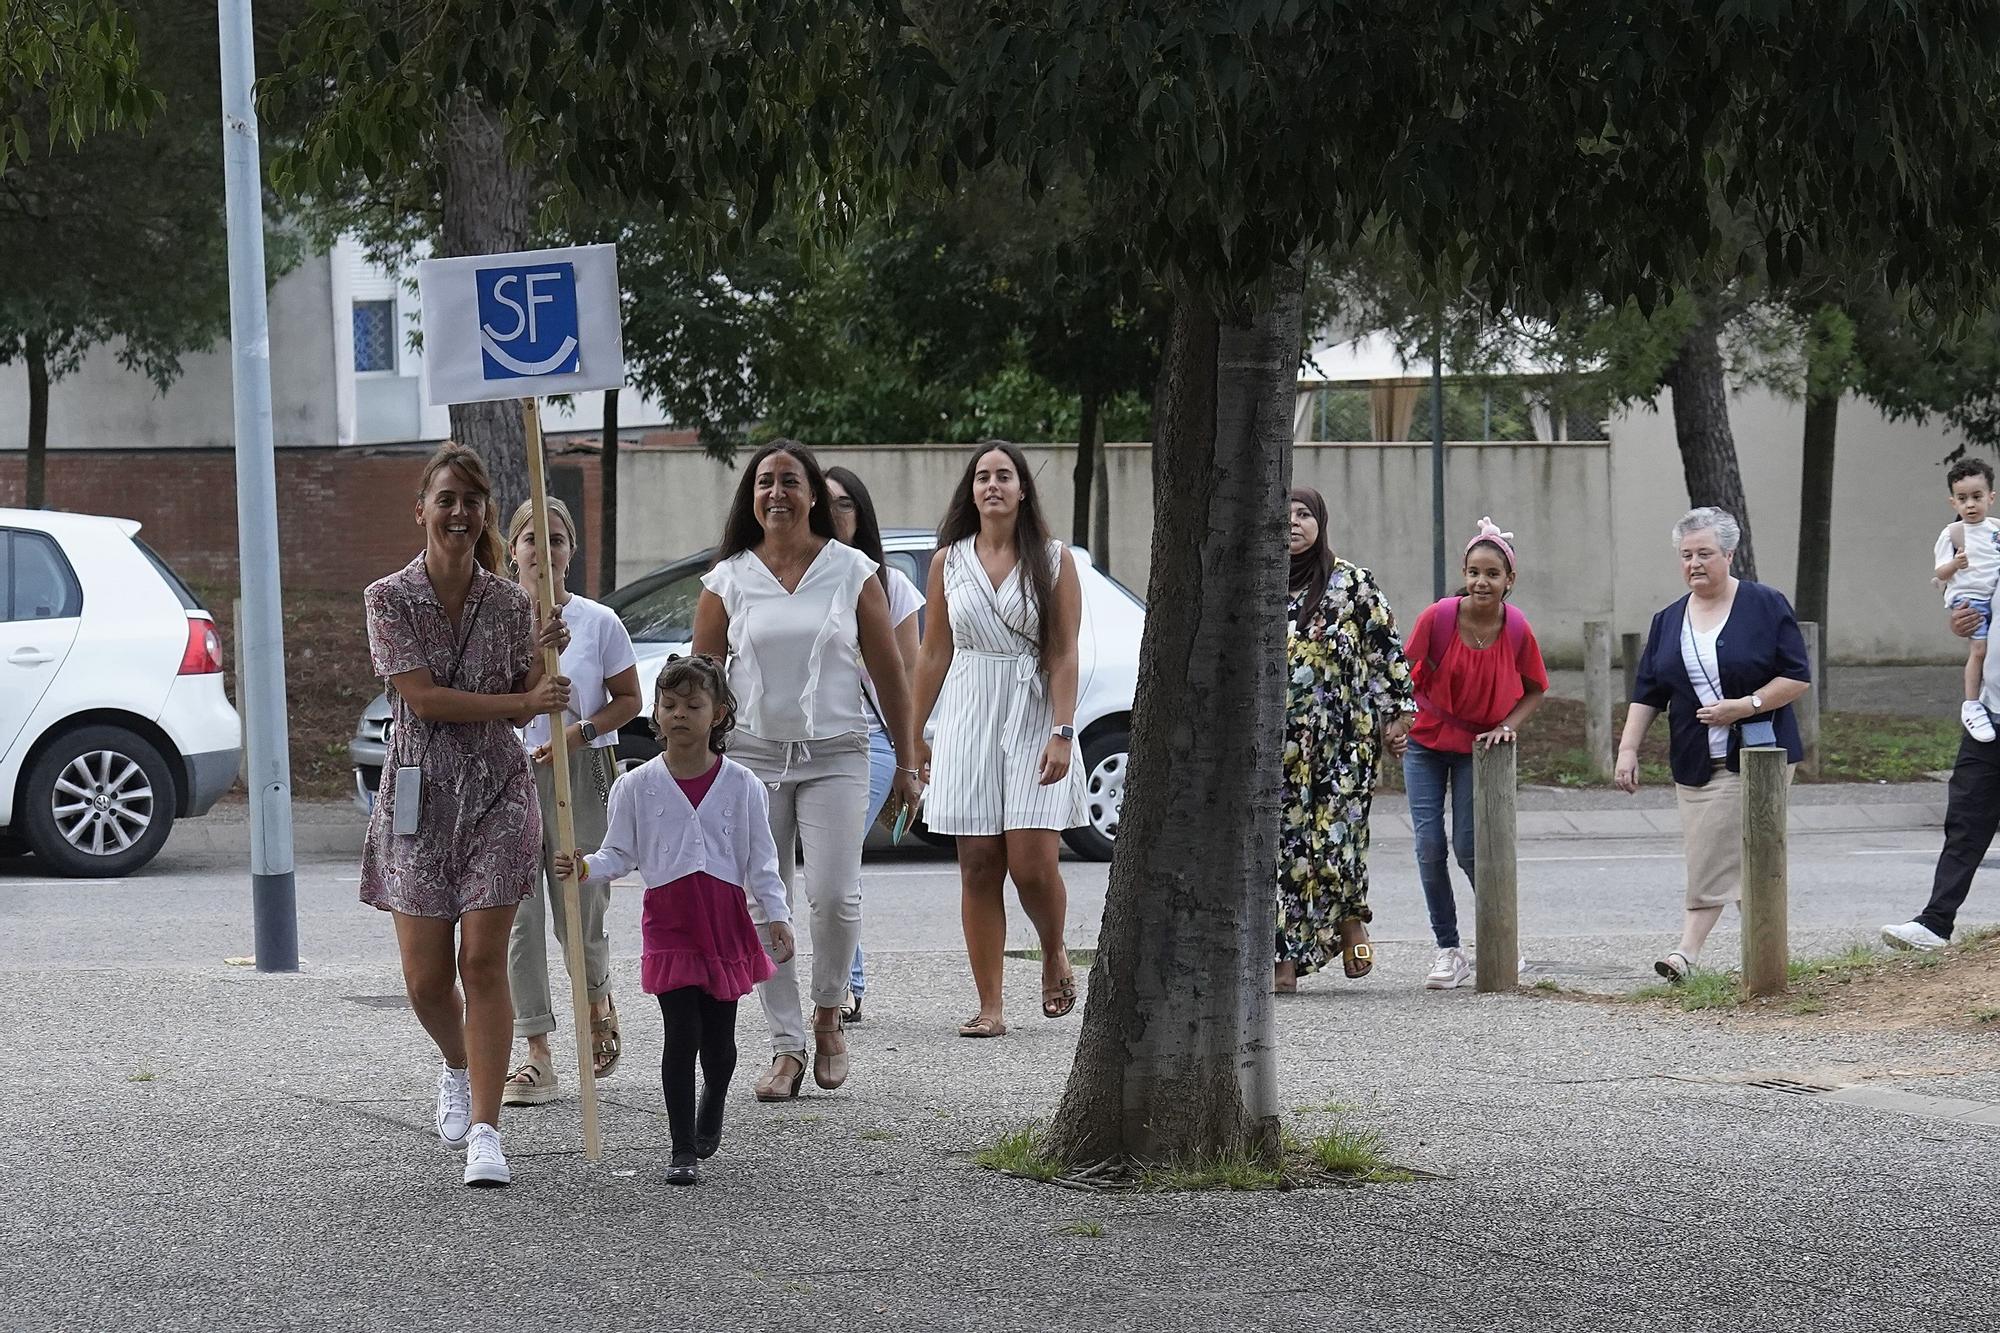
<point>783,497</point>
<point>452,513</point>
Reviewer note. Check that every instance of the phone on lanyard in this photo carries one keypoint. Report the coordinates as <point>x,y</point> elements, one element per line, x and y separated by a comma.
<point>901,826</point>
<point>409,799</point>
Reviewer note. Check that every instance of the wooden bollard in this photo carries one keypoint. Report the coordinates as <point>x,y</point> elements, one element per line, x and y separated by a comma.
<point>1498,966</point>
<point>1629,648</point>
<point>1807,707</point>
<point>1766,941</point>
<point>1597,703</point>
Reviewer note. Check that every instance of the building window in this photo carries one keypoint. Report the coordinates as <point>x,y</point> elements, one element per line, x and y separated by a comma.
<point>374,336</point>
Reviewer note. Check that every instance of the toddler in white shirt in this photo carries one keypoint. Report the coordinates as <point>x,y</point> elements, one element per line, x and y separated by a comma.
<point>696,825</point>
<point>1968,567</point>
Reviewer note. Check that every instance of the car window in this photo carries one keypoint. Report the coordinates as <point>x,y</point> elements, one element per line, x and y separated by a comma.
<point>660,607</point>
<point>189,602</point>
<point>40,585</point>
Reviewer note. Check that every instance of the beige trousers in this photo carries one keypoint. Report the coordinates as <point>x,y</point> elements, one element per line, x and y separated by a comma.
<point>528,948</point>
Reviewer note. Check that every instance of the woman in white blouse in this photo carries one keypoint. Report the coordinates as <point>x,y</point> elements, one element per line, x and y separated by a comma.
<point>795,614</point>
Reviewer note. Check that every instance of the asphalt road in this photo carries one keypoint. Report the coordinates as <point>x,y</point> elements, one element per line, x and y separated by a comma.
<point>192,909</point>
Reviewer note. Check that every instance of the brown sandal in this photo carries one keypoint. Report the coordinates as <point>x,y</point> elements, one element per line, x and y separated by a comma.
<point>606,1042</point>
<point>778,1087</point>
<point>982,1027</point>
<point>1058,1000</point>
<point>1357,960</point>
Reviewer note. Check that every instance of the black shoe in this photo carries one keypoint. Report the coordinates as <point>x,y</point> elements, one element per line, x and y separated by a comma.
<point>708,1127</point>
<point>682,1172</point>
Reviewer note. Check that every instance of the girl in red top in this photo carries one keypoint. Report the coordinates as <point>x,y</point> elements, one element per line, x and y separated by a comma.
<point>1479,675</point>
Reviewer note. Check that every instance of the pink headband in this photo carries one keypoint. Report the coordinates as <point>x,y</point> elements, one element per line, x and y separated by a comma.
<point>1492,536</point>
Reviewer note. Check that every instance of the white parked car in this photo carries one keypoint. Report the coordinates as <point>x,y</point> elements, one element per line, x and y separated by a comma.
<point>658,611</point>
<point>113,720</point>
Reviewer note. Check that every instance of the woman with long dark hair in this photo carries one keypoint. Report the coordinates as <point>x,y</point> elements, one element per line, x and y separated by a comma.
<point>999,668</point>
<point>800,622</point>
<point>1347,688</point>
<point>455,840</point>
<point>855,523</point>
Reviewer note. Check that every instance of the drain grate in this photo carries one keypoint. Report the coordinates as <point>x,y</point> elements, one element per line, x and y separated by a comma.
<point>380,1001</point>
<point>1792,1086</point>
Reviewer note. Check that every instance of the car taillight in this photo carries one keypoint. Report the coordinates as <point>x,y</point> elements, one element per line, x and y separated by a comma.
<point>204,650</point>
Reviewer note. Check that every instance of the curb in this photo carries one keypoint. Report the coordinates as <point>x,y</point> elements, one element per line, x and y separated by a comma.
<point>344,838</point>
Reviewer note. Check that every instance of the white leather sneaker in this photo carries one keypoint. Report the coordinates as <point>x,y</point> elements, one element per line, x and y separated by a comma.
<point>485,1164</point>
<point>454,1108</point>
<point>1912,935</point>
<point>1977,724</point>
<point>1449,972</point>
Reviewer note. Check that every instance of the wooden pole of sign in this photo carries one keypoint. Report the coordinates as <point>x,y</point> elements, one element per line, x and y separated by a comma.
<point>564,835</point>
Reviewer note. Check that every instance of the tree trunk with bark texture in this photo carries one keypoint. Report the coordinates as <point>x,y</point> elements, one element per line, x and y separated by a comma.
<point>1816,520</point>
<point>488,209</point>
<point>1701,428</point>
<point>37,461</point>
<point>1085,475</point>
<point>1176,1058</point>
<point>607,518</point>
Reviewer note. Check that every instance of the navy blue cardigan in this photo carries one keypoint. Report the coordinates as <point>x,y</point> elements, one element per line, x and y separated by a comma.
<point>1759,643</point>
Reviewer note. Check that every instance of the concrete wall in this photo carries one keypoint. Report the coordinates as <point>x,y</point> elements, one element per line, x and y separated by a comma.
<point>671,502</point>
<point>105,406</point>
<point>1889,502</point>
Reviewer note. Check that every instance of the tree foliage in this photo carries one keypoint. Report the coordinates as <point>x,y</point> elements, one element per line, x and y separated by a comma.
<point>68,68</point>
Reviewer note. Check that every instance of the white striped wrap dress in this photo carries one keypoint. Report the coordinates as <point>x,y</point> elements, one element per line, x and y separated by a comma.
<point>993,718</point>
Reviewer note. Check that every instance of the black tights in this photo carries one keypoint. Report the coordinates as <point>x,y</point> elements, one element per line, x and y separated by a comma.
<point>698,1025</point>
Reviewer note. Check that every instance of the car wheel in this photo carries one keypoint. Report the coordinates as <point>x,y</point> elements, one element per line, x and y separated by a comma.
<point>99,802</point>
<point>1105,760</point>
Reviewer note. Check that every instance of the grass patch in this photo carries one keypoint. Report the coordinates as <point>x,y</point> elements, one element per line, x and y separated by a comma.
<point>1546,984</point>
<point>1350,1152</point>
<point>877,1135</point>
<point>1231,1171</point>
<point>1077,957</point>
<point>1839,966</point>
<point>1083,1226</point>
<point>1986,1015</point>
<point>1020,1154</point>
<point>143,1076</point>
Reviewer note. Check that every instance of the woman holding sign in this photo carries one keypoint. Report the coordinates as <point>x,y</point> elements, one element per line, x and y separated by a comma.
<point>455,840</point>
<point>795,614</point>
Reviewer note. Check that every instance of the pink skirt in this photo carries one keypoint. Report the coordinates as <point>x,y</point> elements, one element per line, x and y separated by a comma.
<point>697,931</point>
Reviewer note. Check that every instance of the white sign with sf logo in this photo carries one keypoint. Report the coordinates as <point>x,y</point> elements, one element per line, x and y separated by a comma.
<point>522,325</point>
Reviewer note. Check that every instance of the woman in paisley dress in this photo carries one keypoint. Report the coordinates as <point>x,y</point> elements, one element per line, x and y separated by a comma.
<point>456,643</point>
<point>1346,696</point>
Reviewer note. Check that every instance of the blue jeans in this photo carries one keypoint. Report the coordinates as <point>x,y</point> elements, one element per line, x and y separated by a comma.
<point>881,772</point>
<point>1426,776</point>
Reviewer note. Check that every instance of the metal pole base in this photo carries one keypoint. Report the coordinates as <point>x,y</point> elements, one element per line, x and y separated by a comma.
<point>274,903</point>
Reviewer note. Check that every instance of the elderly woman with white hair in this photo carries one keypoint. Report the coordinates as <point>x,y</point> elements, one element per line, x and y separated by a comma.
<point>1727,662</point>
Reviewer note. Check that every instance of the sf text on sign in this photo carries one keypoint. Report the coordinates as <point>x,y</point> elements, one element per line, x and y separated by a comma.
<point>521,325</point>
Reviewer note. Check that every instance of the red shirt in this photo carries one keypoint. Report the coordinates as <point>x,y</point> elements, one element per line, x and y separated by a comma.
<point>696,788</point>
<point>1478,685</point>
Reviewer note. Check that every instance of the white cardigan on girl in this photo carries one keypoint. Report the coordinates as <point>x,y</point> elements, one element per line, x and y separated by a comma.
<point>653,829</point>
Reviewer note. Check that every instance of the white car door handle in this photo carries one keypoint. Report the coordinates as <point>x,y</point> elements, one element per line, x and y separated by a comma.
<point>30,657</point>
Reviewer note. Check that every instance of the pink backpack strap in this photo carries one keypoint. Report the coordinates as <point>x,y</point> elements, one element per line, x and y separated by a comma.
<point>1444,624</point>
<point>1515,631</point>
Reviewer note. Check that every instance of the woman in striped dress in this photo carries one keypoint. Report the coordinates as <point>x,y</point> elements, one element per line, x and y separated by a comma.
<point>998,676</point>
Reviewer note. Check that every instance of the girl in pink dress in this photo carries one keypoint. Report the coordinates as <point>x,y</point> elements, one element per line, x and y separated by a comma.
<point>697,827</point>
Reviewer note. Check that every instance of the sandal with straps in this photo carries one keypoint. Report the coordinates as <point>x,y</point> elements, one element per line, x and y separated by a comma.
<point>982,1027</point>
<point>532,1084</point>
<point>606,1042</point>
<point>1059,999</point>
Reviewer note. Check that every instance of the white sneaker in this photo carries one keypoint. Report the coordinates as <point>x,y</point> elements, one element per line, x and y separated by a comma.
<point>485,1164</point>
<point>1977,724</point>
<point>1449,972</point>
<point>454,1111</point>
<point>1913,935</point>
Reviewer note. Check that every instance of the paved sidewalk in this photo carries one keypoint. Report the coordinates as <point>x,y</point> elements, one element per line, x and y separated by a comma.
<point>200,1148</point>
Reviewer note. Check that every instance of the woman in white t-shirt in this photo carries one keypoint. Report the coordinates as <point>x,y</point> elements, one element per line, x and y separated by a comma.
<point>854,523</point>
<point>794,614</point>
<point>604,696</point>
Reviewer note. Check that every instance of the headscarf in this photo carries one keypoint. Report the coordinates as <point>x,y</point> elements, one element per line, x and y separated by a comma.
<point>1490,535</point>
<point>1312,567</point>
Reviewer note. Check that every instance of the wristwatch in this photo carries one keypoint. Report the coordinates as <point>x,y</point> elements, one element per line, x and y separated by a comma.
<point>1066,733</point>
<point>588,730</point>
<point>1756,703</point>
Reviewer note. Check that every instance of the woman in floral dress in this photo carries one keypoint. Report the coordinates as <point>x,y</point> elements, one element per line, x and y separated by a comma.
<point>1347,691</point>
<point>451,854</point>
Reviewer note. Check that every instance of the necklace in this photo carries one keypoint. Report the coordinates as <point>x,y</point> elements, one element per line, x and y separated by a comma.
<point>1478,640</point>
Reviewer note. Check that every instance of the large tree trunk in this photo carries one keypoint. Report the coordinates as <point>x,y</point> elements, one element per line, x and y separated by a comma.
<point>488,209</point>
<point>38,422</point>
<point>1176,1058</point>
<point>1085,474</point>
<point>1701,427</point>
<point>607,518</point>
<point>1816,520</point>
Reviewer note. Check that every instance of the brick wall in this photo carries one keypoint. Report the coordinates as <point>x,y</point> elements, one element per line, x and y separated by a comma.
<point>344,515</point>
